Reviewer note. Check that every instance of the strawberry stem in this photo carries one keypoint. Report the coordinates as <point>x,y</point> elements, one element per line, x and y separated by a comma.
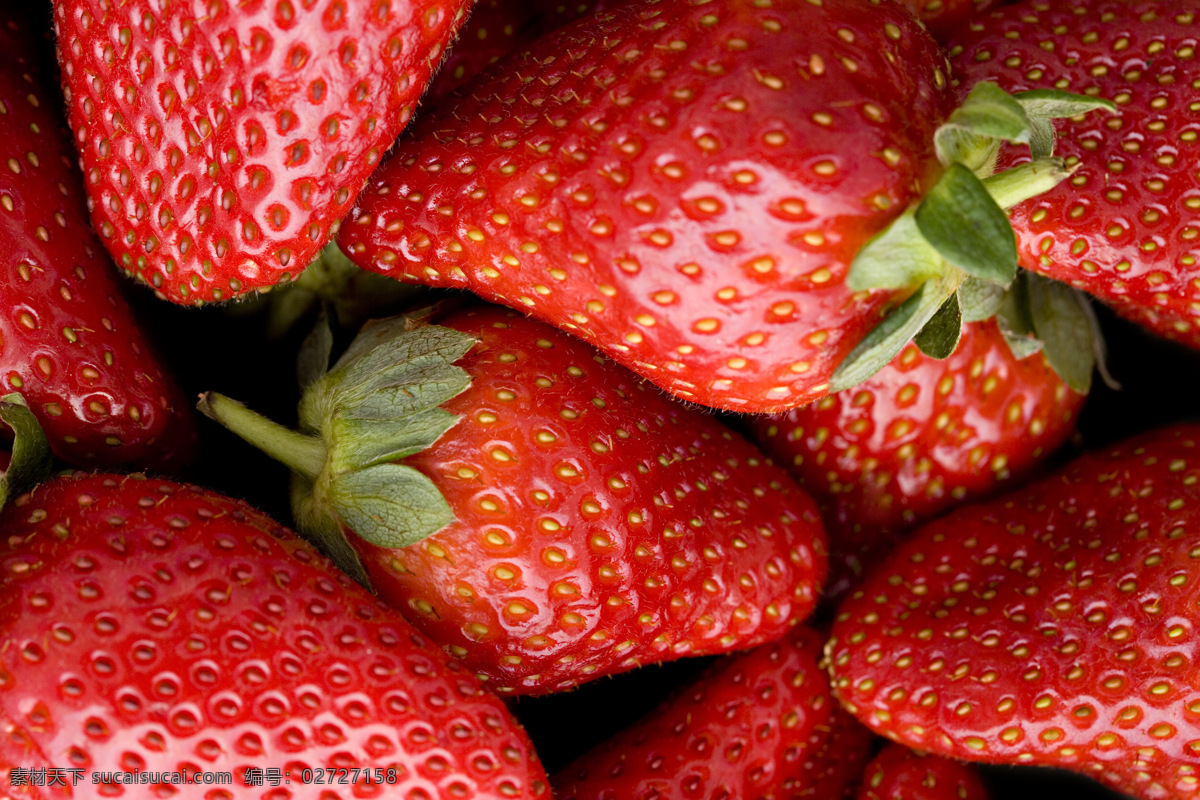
<point>303,454</point>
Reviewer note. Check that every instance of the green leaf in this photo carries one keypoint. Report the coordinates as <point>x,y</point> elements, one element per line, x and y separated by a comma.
<point>313,360</point>
<point>31,460</point>
<point>987,116</point>
<point>1026,181</point>
<point>1064,326</point>
<point>897,258</point>
<point>939,338</point>
<point>1021,345</point>
<point>896,330</point>
<point>1042,138</point>
<point>389,505</point>
<point>1056,104</point>
<point>317,522</point>
<point>979,299</point>
<point>963,223</point>
<point>363,443</point>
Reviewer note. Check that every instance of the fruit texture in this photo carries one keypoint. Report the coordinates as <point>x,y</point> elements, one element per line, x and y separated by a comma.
<point>1124,227</point>
<point>759,725</point>
<point>1054,626</point>
<point>682,185</point>
<point>591,525</point>
<point>898,773</point>
<point>155,627</point>
<point>68,341</point>
<point>223,142</point>
<point>915,439</point>
<point>493,30</point>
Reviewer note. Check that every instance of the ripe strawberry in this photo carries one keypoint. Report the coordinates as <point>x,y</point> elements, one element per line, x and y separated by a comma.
<point>1055,626</point>
<point>945,17</point>
<point>916,438</point>
<point>1125,228</point>
<point>494,29</point>
<point>585,523</point>
<point>156,627</point>
<point>68,341</point>
<point>686,186</point>
<point>759,725</point>
<point>223,142</point>
<point>898,773</point>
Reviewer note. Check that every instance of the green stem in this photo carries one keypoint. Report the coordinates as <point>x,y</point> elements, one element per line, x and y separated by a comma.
<point>1025,181</point>
<point>303,454</point>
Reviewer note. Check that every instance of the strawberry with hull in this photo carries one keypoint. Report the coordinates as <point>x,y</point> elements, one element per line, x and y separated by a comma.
<point>537,509</point>
<point>687,187</point>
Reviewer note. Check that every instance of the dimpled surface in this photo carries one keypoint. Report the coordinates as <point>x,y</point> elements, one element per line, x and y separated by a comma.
<point>898,773</point>
<point>150,626</point>
<point>601,525</point>
<point>1056,626</point>
<point>1125,226</point>
<point>681,184</point>
<point>68,342</point>
<point>223,141</point>
<point>916,438</point>
<point>756,726</point>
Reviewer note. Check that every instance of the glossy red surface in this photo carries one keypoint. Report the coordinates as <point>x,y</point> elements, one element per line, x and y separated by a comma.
<point>1126,226</point>
<point>898,773</point>
<point>681,185</point>
<point>763,724</point>
<point>1054,626</point>
<point>156,627</point>
<point>223,142</point>
<point>917,438</point>
<point>600,525</point>
<point>68,340</point>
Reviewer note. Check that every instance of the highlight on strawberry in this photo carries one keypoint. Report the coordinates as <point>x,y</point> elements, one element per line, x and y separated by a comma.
<point>154,628</point>
<point>750,205</point>
<point>536,509</point>
<point>1054,626</point>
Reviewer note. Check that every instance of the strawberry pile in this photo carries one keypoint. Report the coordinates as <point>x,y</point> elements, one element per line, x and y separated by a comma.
<point>600,400</point>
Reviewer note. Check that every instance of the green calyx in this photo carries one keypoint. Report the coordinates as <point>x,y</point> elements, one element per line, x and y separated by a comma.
<point>31,461</point>
<point>380,403</point>
<point>956,252</point>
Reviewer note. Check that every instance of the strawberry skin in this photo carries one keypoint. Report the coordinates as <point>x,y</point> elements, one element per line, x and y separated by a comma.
<point>223,142</point>
<point>759,725</point>
<point>898,773</point>
<point>600,525</point>
<point>152,626</point>
<point>1124,227</point>
<point>493,30</point>
<point>682,185</point>
<point>916,438</point>
<point>68,341</point>
<point>1055,626</point>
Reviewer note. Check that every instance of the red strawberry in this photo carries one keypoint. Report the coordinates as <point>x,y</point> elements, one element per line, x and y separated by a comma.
<point>1125,228</point>
<point>760,725</point>
<point>494,29</point>
<point>945,17</point>
<point>1055,626</point>
<point>154,627</point>
<point>68,341</point>
<point>585,523</point>
<point>898,773</point>
<point>223,142</point>
<point>686,186</point>
<point>916,438</point>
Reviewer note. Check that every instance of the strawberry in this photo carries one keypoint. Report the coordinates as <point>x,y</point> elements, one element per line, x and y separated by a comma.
<point>157,627</point>
<point>68,342</point>
<point>582,523</point>
<point>898,773</point>
<point>223,142</point>
<point>1125,227</point>
<point>687,186</point>
<point>494,29</point>
<point>916,438</point>
<point>1054,626</point>
<point>945,17</point>
<point>759,725</point>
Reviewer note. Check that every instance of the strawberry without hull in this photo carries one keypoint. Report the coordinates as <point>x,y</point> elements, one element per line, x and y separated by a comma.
<point>158,627</point>
<point>759,725</point>
<point>916,438</point>
<point>68,341</point>
<point>222,142</point>
<point>582,522</point>
<point>1125,226</point>
<point>1055,626</point>
<point>898,773</point>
